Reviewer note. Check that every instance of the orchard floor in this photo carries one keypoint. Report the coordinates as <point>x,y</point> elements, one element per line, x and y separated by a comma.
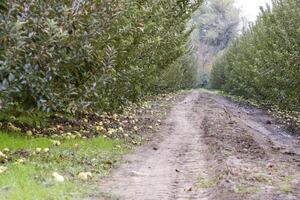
<point>209,148</point>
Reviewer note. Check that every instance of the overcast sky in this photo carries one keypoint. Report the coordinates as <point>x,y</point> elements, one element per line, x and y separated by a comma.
<point>250,8</point>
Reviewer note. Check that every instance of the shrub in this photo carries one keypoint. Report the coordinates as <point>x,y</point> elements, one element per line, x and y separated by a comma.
<point>70,56</point>
<point>264,62</point>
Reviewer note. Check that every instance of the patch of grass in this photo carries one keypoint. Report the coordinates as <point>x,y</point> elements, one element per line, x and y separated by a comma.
<point>20,183</point>
<point>33,179</point>
<point>285,187</point>
<point>15,141</point>
<point>208,182</point>
<point>240,189</point>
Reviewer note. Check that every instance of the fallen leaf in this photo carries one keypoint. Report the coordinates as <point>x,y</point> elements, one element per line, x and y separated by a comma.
<point>6,150</point>
<point>57,177</point>
<point>29,133</point>
<point>2,155</point>
<point>56,143</point>
<point>46,150</point>
<point>20,161</point>
<point>38,150</point>
<point>3,169</point>
<point>84,176</point>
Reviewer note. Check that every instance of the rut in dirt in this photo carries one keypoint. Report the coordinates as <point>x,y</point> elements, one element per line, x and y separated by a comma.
<point>210,148</point>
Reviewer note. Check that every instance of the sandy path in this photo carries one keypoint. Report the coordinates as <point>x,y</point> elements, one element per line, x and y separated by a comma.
<point>210,148</point>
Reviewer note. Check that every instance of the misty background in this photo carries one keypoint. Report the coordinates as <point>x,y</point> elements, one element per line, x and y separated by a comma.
<point>216,24</point>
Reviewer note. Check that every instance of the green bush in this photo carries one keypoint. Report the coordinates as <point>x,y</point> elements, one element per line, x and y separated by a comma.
<point>70,56</point>
<point>264,63</point>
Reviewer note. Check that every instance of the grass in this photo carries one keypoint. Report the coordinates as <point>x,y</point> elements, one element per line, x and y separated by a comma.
<point>206,182</point>
<point>20,183</point>
<point>241,189</point>
<point>33,179</point>
<point>285,187</point>
<point>14,141</point>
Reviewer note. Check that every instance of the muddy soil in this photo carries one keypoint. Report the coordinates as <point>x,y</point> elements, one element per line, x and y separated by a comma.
<point>212,149</point>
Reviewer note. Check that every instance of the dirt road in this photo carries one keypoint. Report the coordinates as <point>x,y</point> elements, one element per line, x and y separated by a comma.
<point>210,148</point>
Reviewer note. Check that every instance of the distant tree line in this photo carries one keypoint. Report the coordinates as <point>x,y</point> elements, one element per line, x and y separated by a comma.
<point>264,63</point>
<point>216,24</point>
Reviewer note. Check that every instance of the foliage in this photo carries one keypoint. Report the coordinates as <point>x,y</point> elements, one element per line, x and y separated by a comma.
<point>216,25</point>
<point>264,63</point>
<point>84,55</point>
